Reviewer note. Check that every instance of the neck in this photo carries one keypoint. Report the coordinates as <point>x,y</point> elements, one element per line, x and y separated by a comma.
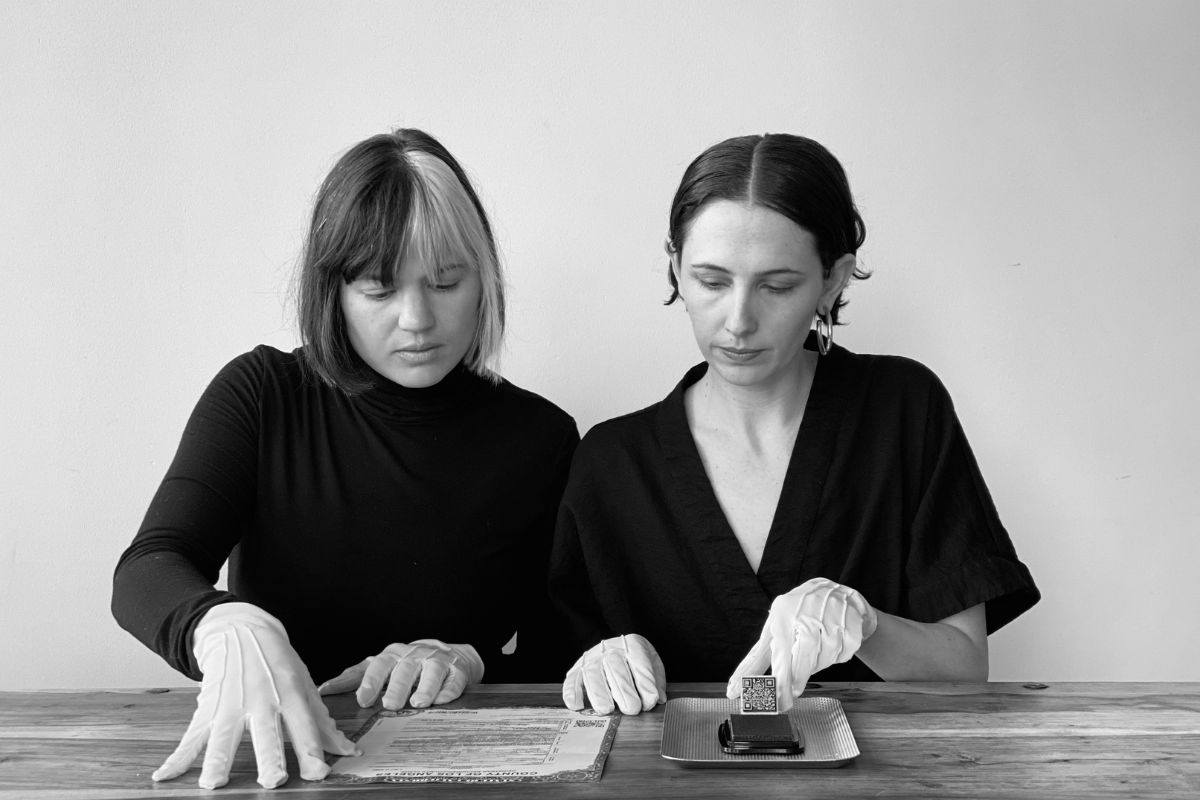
<point>754,411</point>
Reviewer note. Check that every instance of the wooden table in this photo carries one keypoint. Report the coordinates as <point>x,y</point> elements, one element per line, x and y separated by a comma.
<point>917,740</point>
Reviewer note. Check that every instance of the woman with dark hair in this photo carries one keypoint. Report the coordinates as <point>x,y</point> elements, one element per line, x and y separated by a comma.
<point>384,499</point>
<point>790,505</point>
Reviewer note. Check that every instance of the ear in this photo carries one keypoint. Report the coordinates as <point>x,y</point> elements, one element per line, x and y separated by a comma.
<point>672,254</point>
<point>839,276</point>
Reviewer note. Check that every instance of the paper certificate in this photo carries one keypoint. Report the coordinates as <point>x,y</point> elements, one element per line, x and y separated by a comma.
<point>479,745</point>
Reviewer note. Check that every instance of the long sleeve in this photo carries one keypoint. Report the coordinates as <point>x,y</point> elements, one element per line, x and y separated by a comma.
<point>358,521</point>
<point>542,654</point>
<point>571,589</point>
<point>163,582</point>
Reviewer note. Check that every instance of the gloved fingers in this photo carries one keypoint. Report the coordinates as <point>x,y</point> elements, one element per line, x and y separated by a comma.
<point>223,743</point>
<point>619,676</point>
<point>404,675</point>
<point>827,635</point>
<point>348,681</point>
<point>641,658</point>
<point>306,741</point>
<point>844,641</point>
<point>434,672</point>
<point>782,635</point>
<point>755,662</point>
<point>267,735</point>
<point>453,686</point>
<point>376,675</point>
<point>597,685</point>
<point>572,689</point>
<point>660,677</point>
<point>805,656</point>
<point>853,635</point>
<point>188,750</point>
<point>857,602</point>
<point>332,739</point>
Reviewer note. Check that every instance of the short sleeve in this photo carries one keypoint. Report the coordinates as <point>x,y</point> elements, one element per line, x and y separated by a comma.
<point>959,554</point>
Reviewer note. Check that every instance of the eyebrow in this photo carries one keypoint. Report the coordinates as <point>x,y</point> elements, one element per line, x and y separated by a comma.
<point>779,271</point>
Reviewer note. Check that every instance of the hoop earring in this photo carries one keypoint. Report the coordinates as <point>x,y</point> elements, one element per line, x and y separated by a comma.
<point>824,337</point>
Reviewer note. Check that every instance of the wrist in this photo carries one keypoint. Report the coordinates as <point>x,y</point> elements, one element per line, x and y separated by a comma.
<point>870,622</point>
<point>227,614</point>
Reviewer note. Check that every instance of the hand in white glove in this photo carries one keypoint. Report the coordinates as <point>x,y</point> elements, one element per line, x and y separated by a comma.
<point>814,625</point>
<point>625,669</point>
<point>445,670</point>
<point>252,678</point>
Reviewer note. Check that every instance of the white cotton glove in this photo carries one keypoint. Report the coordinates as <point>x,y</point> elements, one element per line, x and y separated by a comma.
<point>625,669</point>
<point>252,679</point>
<point>814,625</point>
<point>445,670</point>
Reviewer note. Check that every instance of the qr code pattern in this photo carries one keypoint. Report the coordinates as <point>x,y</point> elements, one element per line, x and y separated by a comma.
<point>758,695</point>
<point>590,723</point>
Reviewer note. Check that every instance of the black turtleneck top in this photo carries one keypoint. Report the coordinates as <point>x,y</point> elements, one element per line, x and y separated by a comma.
<point>393,515</point>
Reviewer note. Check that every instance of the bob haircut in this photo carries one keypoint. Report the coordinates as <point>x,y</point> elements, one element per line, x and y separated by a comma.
<point>390,198</point>
<point>791,175</point>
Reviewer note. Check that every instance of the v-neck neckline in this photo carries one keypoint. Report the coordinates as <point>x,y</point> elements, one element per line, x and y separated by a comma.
<point>715,545</point>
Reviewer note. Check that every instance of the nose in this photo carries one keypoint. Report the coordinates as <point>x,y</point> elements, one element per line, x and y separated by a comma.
<point>414,314</point>
<point>741,320</point>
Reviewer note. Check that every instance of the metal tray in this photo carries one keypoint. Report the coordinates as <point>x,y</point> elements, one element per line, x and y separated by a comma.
<point>689,736</point>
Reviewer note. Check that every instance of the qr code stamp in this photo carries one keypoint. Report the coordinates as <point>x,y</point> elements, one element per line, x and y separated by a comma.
<point>758,695</point>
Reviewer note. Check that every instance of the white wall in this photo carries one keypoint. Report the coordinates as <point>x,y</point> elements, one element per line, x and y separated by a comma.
<point>1028,172</point>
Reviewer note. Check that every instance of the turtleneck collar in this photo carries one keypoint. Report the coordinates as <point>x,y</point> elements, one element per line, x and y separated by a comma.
<point>402,404</point>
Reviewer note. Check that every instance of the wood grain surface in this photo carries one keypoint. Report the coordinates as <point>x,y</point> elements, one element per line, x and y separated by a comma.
<point>917,740</point>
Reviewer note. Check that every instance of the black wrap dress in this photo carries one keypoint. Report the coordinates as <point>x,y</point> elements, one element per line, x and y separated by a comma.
<point>882,494</point>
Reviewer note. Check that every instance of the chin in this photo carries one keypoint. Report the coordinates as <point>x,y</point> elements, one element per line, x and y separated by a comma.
<point>417,377</point>
<point>748,375</point>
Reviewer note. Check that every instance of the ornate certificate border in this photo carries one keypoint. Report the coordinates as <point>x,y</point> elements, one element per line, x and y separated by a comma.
<point>591,774</point>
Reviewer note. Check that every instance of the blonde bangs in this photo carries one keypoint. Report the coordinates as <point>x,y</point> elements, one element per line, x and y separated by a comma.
<point>444,228</point>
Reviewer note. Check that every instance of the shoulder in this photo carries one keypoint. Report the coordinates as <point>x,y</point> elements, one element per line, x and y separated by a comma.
<point>898,400</point>
<point>263,361</point>
<point>898,371</point>
<point>532,409</point>
<point>897,380</point>
<point>649,434</point>
<point>261,373</point>
<point>625,429</point>
<point>615,442</point>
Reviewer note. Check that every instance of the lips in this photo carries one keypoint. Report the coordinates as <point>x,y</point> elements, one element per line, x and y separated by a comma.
<point>740,355</point>
<point>417,354</point>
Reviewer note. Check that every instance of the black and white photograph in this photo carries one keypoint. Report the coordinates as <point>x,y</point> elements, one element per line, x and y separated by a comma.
<point>605,398</point>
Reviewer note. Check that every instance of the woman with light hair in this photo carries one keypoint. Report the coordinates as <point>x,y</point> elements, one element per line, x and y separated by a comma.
<point>383,498</point>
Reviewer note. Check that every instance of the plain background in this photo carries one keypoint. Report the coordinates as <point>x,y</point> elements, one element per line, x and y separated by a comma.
<point>1029,175</point>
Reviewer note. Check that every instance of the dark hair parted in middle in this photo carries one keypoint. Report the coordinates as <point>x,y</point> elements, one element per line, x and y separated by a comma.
<point>392,197</point>
<point>791,175</point>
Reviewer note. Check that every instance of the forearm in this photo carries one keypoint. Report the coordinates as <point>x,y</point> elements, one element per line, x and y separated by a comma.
<point>159,597</point>
<point>954,649</point>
